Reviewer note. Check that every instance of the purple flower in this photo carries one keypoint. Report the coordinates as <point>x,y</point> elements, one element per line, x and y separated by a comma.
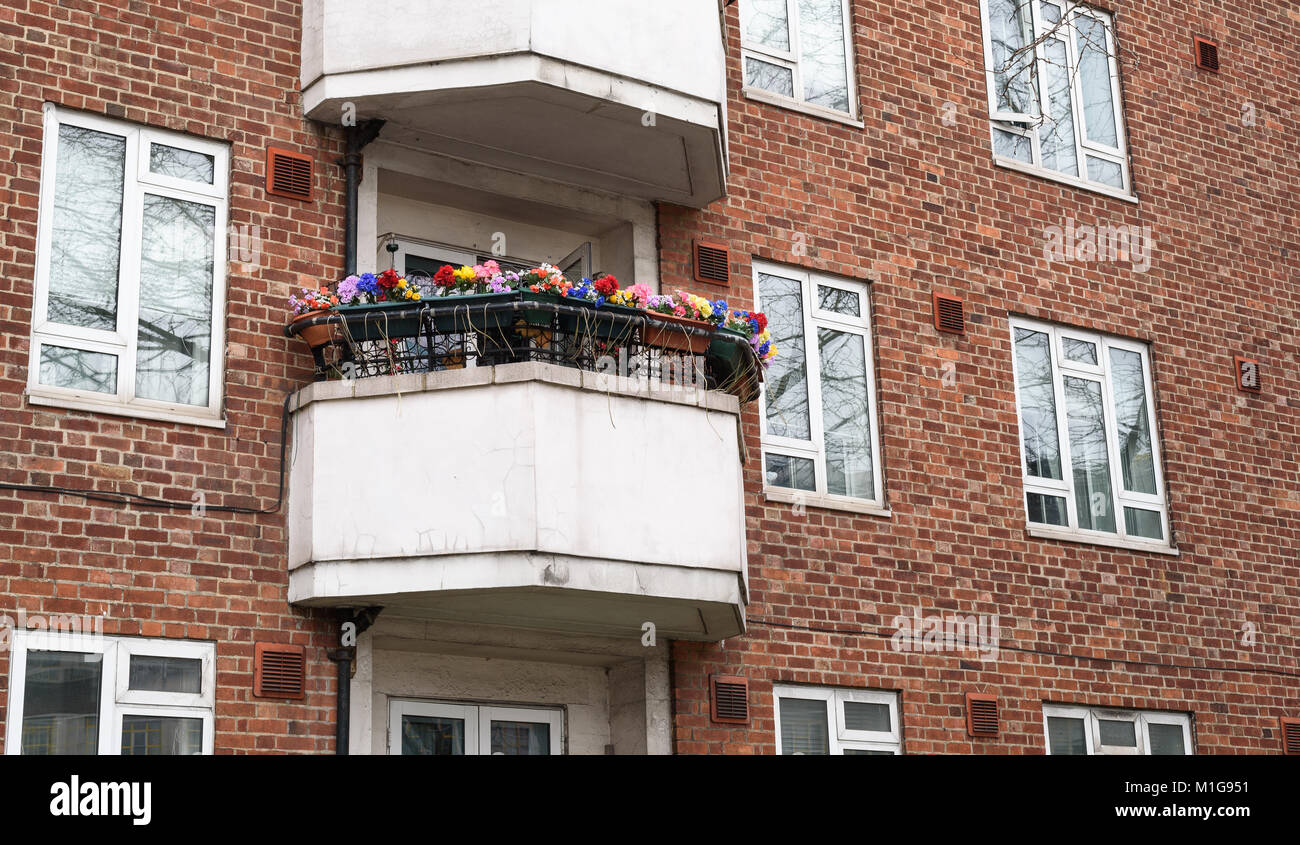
<point>348,290</point>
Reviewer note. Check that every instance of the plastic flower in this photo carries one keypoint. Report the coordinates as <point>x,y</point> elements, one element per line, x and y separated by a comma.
<point>348,290</point>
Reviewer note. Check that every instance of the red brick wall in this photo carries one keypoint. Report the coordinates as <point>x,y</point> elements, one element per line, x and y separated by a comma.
<point>913,205</point>
<point>227,72</point>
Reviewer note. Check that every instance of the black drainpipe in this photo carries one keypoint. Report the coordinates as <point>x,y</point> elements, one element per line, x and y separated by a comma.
<point>343,656</point>
<point>357,137</point>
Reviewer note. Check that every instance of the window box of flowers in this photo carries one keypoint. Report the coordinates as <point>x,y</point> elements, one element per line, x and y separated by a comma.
<point>385,302</point>
<point>682,322</point>
<point>741,329</point>
<point>461,292</point>
<point>312,304</point>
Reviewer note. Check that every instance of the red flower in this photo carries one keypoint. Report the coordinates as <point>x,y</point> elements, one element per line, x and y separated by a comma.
<point>388,278</point>
<point>605,285</point>
<point>762,320</point>
<point>443,278</point>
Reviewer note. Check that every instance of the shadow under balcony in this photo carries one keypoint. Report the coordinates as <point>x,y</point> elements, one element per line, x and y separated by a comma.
<point>524,463</point>
<point>627,98</point>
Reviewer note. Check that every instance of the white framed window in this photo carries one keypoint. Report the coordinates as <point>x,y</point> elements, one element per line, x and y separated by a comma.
<point>89,694</point>
<point>825,720</point>
<point>801,52</point>
<point>1055,103</point>
<point>1092,730</point>
<point>444,728</point>
<point>1087,435</point>
<point>128,315</point>
<point>818,407</point>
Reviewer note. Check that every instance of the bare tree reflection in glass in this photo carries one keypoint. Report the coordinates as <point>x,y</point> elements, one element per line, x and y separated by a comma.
<point>85,249</point>
<point>176,277</point>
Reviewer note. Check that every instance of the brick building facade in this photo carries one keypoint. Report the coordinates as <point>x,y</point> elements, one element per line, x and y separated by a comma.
<point>897,194</point>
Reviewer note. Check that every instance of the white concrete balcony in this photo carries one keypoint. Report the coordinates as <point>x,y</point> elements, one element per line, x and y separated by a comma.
<point>526,495</point>
<point>625,97</point>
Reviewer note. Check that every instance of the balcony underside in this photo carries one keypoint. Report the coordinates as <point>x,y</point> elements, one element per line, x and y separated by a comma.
<point>541,591</point>
<point>537,115</point>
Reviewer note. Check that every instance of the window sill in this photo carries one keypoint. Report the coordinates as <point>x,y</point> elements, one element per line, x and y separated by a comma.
<point>1053,176</point>
<point>1043,533</point>
<point>118,410</point>
<point>780,101</point>
<point>821,500</point>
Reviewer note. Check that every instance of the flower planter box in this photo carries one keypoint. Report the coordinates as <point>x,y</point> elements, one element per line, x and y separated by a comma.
<point>735,367</point>
<point>382,321</point>
<point>667,331</point>
<point>316,336</point>
<point>465,313</point>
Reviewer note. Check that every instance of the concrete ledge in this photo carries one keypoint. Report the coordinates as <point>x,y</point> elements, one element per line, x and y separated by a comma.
<point>524,371</point>
<point>562,592</point>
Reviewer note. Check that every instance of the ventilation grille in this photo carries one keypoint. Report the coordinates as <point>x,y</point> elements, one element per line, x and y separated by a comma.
<point>288,174</point>
<point>1291,736</point>
<point>1207,54</point>
<point>729,699</point>
<point>949,314</point>
<point>279,671</point>
<point>981,715</point>
<point>1249,377</point>
<point>712,263</point>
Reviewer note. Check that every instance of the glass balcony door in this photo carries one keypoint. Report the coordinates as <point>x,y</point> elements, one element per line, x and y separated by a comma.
<point>444,729</point>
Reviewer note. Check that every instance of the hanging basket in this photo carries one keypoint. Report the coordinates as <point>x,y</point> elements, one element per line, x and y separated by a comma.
<point>667,331</point>
<point>318,335</point>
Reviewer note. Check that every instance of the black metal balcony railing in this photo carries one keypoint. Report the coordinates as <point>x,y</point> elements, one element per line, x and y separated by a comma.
<point>451,333</point>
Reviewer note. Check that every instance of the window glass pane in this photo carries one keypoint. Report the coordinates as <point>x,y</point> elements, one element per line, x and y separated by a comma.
<point>161,735</point>
<point>1143,523</point>
<point>433,735</point>
<point>77,369</point>
<point>1105,172</point>
<point>1165,739</point>
<point>1011,145</point>
<point>1011,33</point>
<point>1048,510</point>
<point>1050,12</point>
<point>846,416</point>
<point>87,228</point>
<point>1095,80</point>
<point>1037,404</point>
<point>795,473</point>
<point>864,752</point>
<point>1079,351</point>
<point>176,274</point>
<point>61,702</point>
<point>803,727</point>
<point>1118,732</point>
<point>865,716</point>
<point>821,53</point>
<point>1057,131</point>
<point>769,77</point>
<point>166,674</point>
<point>765,22</point>
<point>1136,455</point>
<point>521,739</point>
<point>1086,422</point>
<point>182,164</point>
<point>839,301</point>
<point>786,395</point>
<point>1065,736</point>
